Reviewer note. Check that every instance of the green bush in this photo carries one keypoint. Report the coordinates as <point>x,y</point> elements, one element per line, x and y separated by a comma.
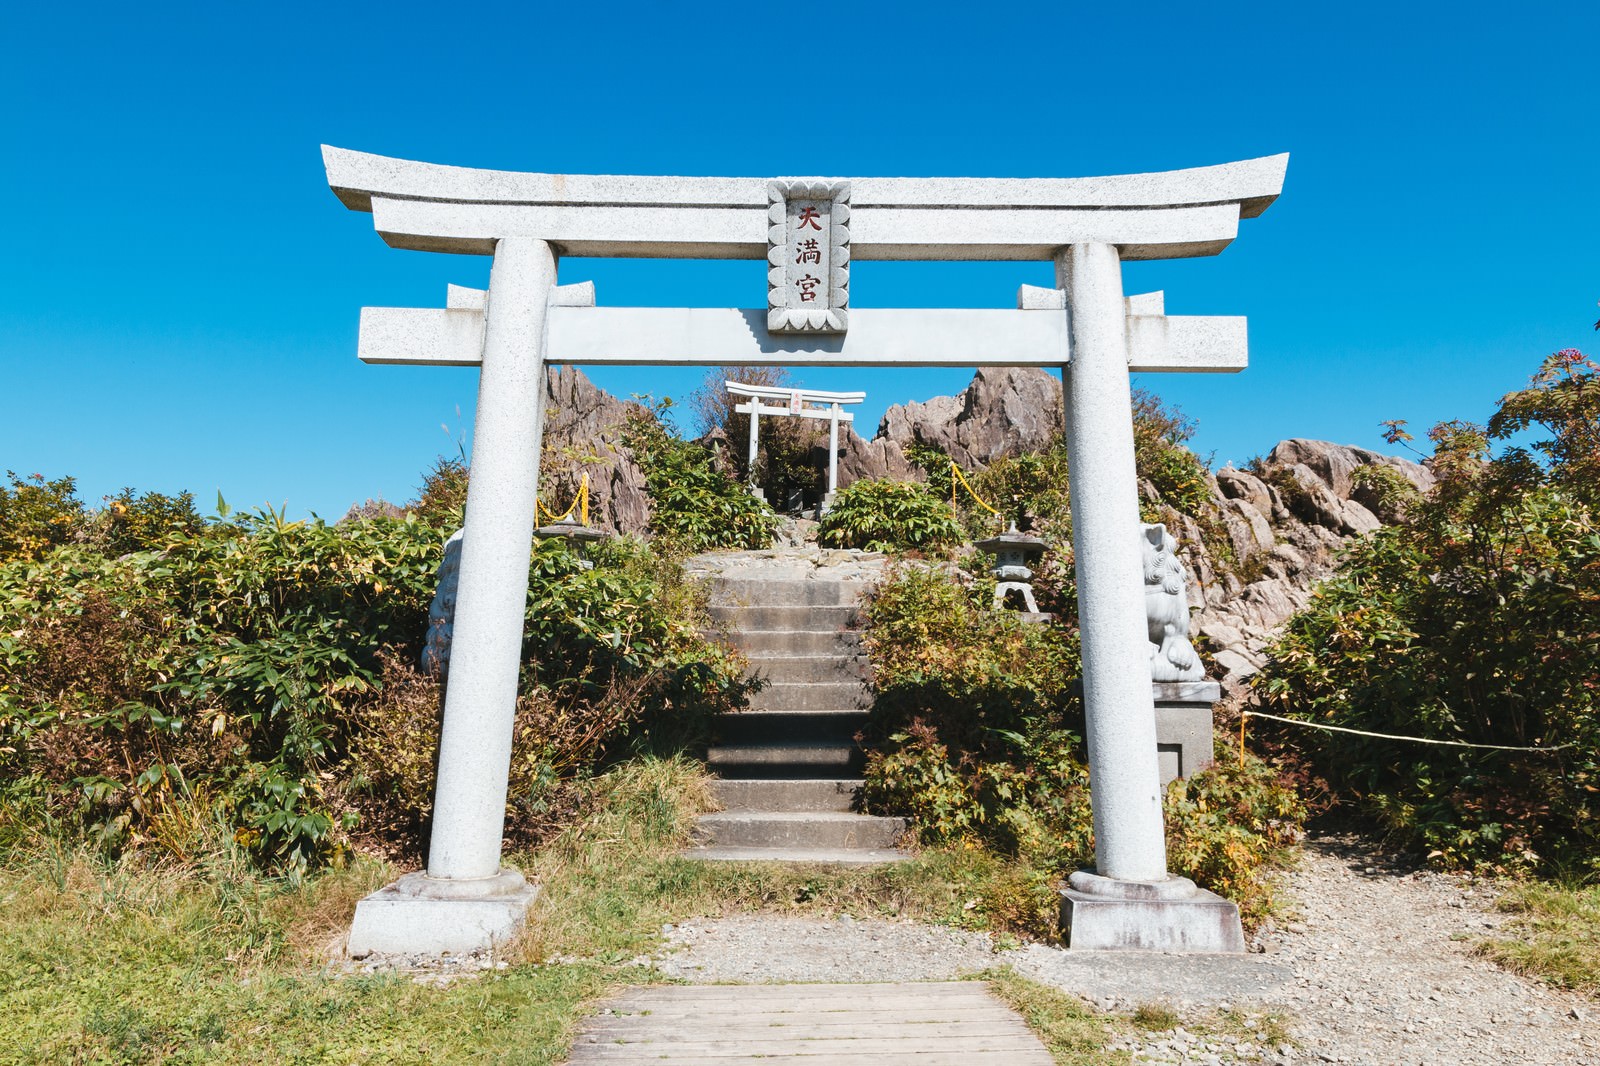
<point>442,503</point>
<point>1476,619</point>
<point>882,515</point>
<point>976,732</point>
<point>36,515</point>
<point>1160,437</point>
<point>249,671</point>
<point>1035,483</point>
<point>694,506</point>
<point>1230,826</point>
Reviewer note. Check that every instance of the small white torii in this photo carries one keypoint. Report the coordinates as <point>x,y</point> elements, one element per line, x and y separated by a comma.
<point>795,401</point>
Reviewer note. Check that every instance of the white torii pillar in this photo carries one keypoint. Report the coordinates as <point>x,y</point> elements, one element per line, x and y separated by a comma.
<point>1086,328</point>
<point>1129,843</point>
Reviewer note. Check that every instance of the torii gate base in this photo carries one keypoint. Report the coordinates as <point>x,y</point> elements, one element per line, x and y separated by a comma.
<point>422,915</point>
<point>1085,326</point>
<point>1174,915</point>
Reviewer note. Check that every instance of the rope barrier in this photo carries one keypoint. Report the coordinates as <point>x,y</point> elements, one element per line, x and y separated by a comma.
<point>580,503</point>
<point>1383,736</point>
<point>959,476</point>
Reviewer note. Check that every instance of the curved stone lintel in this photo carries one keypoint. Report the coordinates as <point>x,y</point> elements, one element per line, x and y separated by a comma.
<point>1164,215</point>
<point>356,177</point>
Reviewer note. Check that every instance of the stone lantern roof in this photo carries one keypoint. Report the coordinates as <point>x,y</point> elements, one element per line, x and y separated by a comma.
<point>1013,540</point>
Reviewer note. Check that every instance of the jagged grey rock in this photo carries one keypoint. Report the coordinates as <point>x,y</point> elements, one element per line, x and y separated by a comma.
<point>587,423</point>
<point>1005,411</point>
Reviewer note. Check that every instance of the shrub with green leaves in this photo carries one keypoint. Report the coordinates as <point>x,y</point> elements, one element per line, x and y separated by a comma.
<point>36,514</point>
<point>253,668</point>
<point>1161,434</point>
<point>883,515</point>
<point>694,506</point>
<point>1475,620</point>
<point>976,734</point>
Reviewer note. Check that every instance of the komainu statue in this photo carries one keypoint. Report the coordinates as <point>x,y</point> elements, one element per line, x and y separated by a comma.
<point>442,612</point>
<point>1166,608</point>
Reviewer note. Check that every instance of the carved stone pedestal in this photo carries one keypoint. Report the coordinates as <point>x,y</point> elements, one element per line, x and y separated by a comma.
<point>422,915</point>
<point>1172,915</point>
<point>1183,726</point>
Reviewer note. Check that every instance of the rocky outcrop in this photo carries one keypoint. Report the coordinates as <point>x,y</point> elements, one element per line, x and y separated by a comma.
<point>583,434</point>
<point>1284,521</point>
<point>1005,411</point>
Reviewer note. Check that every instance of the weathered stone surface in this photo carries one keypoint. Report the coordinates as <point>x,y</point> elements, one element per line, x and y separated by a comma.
<point>1005,411</point>
<point>1285,520</point>
<point>585,421</point>
<point>1335,464</point>
<point>1242,485</point>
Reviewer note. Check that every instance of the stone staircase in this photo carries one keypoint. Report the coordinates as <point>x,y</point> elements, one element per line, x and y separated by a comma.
<point>788,768</point>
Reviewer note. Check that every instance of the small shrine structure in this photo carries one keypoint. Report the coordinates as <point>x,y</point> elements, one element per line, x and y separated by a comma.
<point>825,405</point>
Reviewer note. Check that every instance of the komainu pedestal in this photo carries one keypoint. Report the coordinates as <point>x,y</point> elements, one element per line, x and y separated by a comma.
<point>1172,915</point>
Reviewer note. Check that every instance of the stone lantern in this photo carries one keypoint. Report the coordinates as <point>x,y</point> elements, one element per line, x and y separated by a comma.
<point>569,528</point>
<point>1014,551</point>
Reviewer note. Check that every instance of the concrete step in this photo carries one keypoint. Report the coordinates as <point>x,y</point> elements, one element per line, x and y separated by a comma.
<point>810,619</point>
<point>757,728</point>
<point>787,760</point>
<point>827,667</point>
<point>762,642</point>
<point>779,794</point>
<point>811,696</point>
<point>821,857</point>
<point>743,592</point>
<point>798,829</point>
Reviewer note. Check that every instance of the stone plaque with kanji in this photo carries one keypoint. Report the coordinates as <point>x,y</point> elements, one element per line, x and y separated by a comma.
<point>808,256</point>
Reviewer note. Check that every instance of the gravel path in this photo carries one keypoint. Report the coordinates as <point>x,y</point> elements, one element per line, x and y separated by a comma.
<point>1368,973</point>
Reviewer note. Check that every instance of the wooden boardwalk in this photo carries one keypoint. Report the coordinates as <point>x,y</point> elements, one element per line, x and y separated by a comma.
<point>954,1023</point>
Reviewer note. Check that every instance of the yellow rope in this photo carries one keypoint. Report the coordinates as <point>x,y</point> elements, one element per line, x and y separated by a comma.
<point>1390,736</point>
<point>959,476</point>
<point>580,503</point>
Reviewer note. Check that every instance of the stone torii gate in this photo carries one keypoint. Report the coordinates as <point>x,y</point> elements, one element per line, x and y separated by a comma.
<point>808,231</point>
<point>795,401</point>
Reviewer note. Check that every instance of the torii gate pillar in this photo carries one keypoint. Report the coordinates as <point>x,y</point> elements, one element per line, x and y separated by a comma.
<point>1105,521</point>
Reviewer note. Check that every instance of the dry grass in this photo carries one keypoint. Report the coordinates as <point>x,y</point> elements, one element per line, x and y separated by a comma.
<point>1555,935</point>
<point>1074,1034</point>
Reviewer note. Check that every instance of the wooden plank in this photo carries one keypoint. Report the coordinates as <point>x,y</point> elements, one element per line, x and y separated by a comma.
<point>849,1028</point>
<point>682,1052</point>
<point>848,993</point>
<point>806,1004</point>
<point>887,1058</point>
<point>910,1014</point>
<point>955,1023</point>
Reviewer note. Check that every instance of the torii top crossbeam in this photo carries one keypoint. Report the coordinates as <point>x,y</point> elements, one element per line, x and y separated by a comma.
<point>1168,215</point>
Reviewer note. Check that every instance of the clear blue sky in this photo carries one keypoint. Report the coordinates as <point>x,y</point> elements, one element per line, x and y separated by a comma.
<point>179,290</point>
